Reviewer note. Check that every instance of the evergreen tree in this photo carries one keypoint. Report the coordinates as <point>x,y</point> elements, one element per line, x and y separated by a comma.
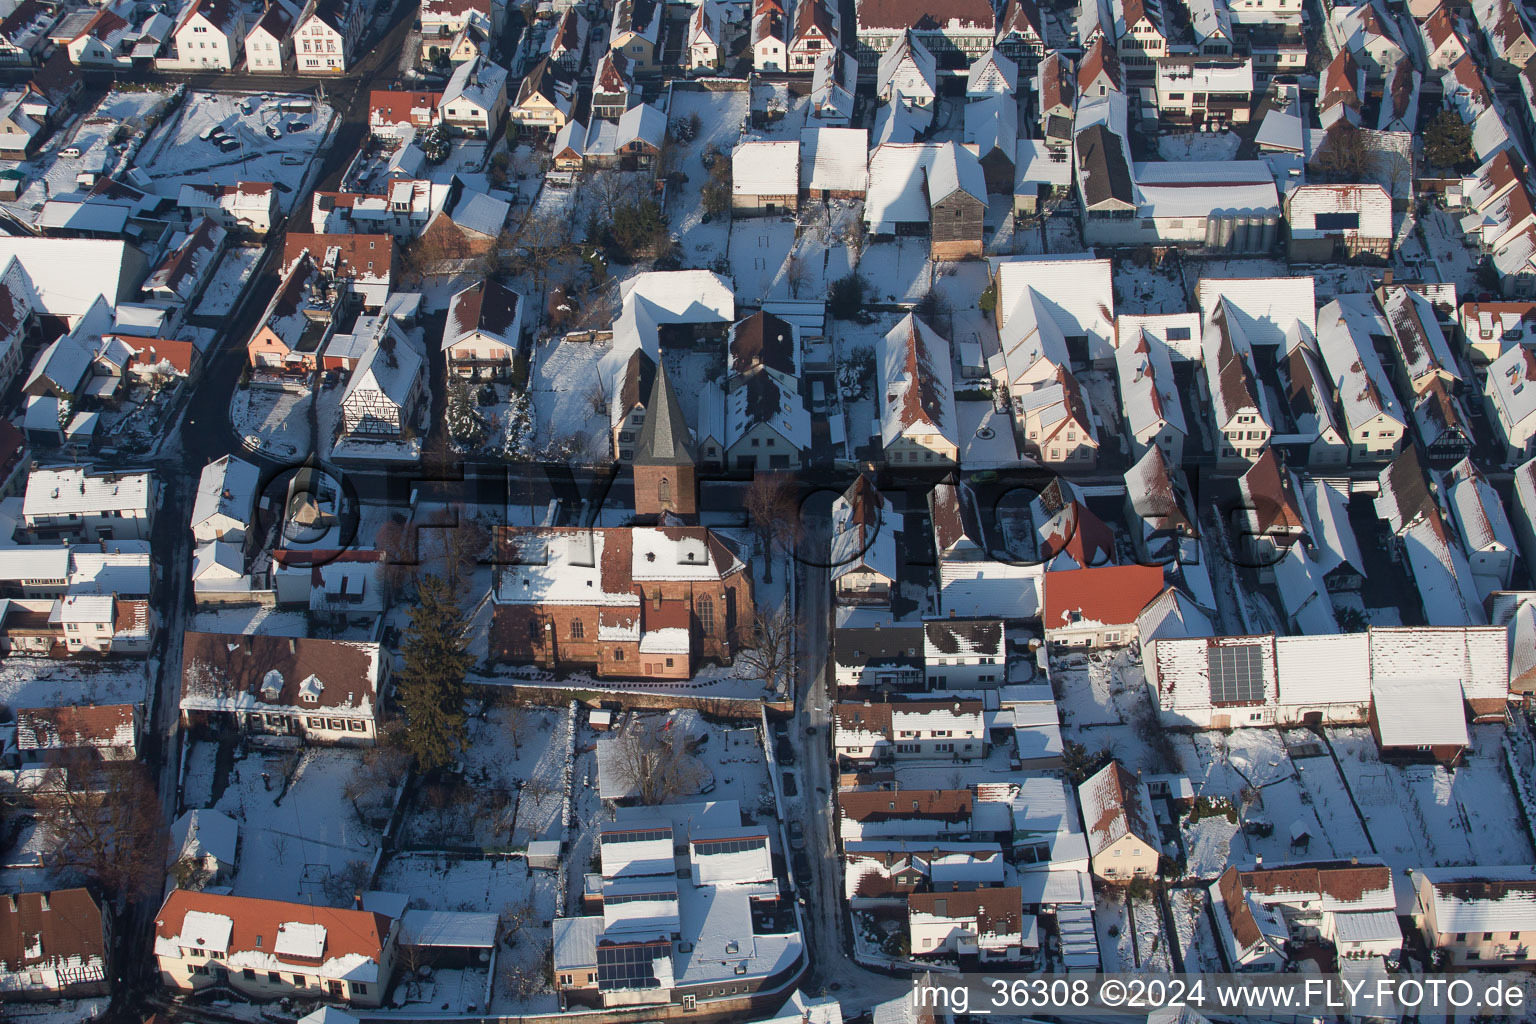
<point>432,682</point>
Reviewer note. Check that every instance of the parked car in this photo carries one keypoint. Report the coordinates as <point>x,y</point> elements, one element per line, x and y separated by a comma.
<point>785,752</point>
<point>797,835</point>
<point>274,132</point>
<point>802,871</point>
<point>790,789</point>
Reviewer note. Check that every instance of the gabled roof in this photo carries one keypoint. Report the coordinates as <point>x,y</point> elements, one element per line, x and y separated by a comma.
<point>1103,173</point>
<point>1270,495</point>
<point>916,382</point>
<point>1100,59</point>
<point>925,14</point>
<point>488,308</point>
<point>62,928</point>
<point>223,671</point>
<point>1116,805</point>
<point>1110,595</point>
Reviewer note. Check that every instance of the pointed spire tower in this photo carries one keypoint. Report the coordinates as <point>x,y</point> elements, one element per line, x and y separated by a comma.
<point>666,467</point>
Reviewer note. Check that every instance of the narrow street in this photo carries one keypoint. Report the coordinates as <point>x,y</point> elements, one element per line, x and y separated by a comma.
<point>830,946</point>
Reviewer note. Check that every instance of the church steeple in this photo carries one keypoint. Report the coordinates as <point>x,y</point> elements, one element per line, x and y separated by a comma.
<point>665,463</point>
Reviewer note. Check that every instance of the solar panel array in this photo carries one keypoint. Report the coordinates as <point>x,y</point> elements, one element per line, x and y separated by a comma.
<point>709,847</point>
<point>1236,674</point>
<point>647,835</point>
<point>614,899</point>
<point>629,966</point>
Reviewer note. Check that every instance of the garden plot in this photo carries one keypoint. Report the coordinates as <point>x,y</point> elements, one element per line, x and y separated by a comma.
<point>721,116</point>
<point>511,787</point>
<point>569,426</point>
<point>1102,688</point>
<point>47,682</point>
<point>178,152</point>
<point>254,619</point>
<point>526,903</point>
<point>1251,804</point>
<point>897,271</point>
<point>1198,945</point>
<point>1145,289</point>
<point>229,280</point>
<point>1426,815</point>
<point>272,420</point>
<point>1199,146</point>
<point>304,843</point>
<point>856,344</point>
<point>759,247</point>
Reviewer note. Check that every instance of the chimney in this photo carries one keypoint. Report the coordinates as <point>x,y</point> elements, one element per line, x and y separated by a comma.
<point>293,646</point>
<point>357,899</point>
<point>42,899</point>
<point>1258,860</point>
<point>1354,860</point>
<point>1386,277</point>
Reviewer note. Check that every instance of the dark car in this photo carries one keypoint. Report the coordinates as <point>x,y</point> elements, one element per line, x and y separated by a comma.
<point>797,835</point>
<point>298,126</point>
<point>274,132</point>
<point>790,789</point>
<point>228,144</point>
<point>785,752</point>
<point>802,871</point>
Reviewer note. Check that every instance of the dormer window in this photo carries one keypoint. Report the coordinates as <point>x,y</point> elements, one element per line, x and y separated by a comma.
<point>311,698</point>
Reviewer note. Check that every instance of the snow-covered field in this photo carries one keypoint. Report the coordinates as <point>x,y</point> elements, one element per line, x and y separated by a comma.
<point>1199,146</point>
<point>561,386</point>
<point>251,619</point>
<point>722,117</point>
<point>229,281</point>
<point>898,270</point>
<point>304,843</point>
<point>759,248</point>
<point>277,420</point>
<point>176,152</point>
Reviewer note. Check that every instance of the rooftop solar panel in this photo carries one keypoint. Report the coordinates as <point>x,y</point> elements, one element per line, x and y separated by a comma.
<point>1236,674</point>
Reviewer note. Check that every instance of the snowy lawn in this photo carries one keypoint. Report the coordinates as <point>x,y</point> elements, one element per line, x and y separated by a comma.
<point>1146,289</point>
<point>898,270</point>
<point>229,280</point>
<point>251,619</point>
<point>306,844</point>
<point>176,152</point>
<point>276,421</point>
<point>1102,688</point>
<point>568,423</point>
<point>1199,146</point>
<point>760,246</point>
<point>855,345</point>
<point>722,117</point>
<point>1198,944</point>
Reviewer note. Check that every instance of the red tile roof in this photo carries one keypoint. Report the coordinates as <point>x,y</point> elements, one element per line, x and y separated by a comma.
<point>1111,594</point>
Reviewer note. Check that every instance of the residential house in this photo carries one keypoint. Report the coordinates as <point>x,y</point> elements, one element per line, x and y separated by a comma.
<point>86,504</point>
<point>655,600</point>
<point>1021,33</point>
<point>1160,512</point>
<point>1374,421</point>
<point>882,660</point>
<point>1332,222</point>
<point>612,86</point>
<point>1262,911</point>
<point>769,49</point>
<point>269,43</point>
<point>1056,96</point>
<point>24,33</point>
<point>907,73</point>
<point>545,99</point>
<point>863,546</point>
<point>1477,914</point>
<point>1242,419</point>
<point>269,949</point>
<point>1097,607</point>
<point>1123,841</point>
<point>834,163</point>
<point>106,39</point>
<point>1212,24</point>
<point>1508,36</point>
<point>1140,38</point>
<point>1199,91</point>
<point>397,113</point>
<point>106,732</point>
<point>1154,413</point>
<point>207,841</point>
<point>765,178</point>
<point>917,411</point>
<point>210,35</point>
<point>813,32</point>
<point>297,323</point>
<point>1316,435</point>
<point>54,945</point>
<point>1421,537</point>
<point>711,30</point>
<point>1422,355</point>
<point>248,207</point>
<point>1273,516</point>
<point>322,691</point>
<point>1490,328</point>
<point>834,80</point>
<point>635,33</point>
<point>225,503</point>
<point>1099,74</point>
<point>363,264</point>
<point>965,654</point>
<point>475,98</point>
<point>957,199</point>
<point>992,133</point>
<point>988,925</point>
<point>914,813</point>
<point>1444,426</point>
<point>1342,92</point>
<point>383,394</point>
<point>483,331</point>
<point>327,36</point>
<point>1509,389</point>
<point>996,73</point>
<point>1443,45</point>
<point>909,730</point>
<point>1371,37</point>
<point>956,33</point>
<point>184,272</point>
<point>569,46</point>
<point>1486,535</point>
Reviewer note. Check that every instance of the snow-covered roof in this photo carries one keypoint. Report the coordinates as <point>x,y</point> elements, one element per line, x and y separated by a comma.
<point>1419,712</point>
<point>916,385</point>
<point>1333,538</point>
<point>1475,657</point>
<point>1361,383</point>
<point>1323,670</point>
<point>1416,330</point>
<point>1035,163</point>
<point>1442,575</point>
<point>835,159</point>
<point>1478,512</point>
<point>1318,211</point>
<point>1480,899</point>
<point>55,492</point>
<point>1116,805</point>
<point>1266,308</point>
<point>765,168</point>
<point>227,487</point>
<point>1149,393</point>
<point>1075,289</point>
<point>202,832</point>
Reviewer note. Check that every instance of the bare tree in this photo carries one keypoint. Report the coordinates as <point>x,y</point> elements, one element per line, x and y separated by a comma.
<point>1344,154</point>
<point>515,720</point>
<point>794,274</point>
<point>775,513</point>
<point>397,539</point>
<point>104,825</point>
<point>465,545</point>
<point>775,638</point>
<point>610,189</point>
<point>653,763</point>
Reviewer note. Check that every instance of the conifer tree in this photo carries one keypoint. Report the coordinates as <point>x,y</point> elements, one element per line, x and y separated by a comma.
<point>432,682</point>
